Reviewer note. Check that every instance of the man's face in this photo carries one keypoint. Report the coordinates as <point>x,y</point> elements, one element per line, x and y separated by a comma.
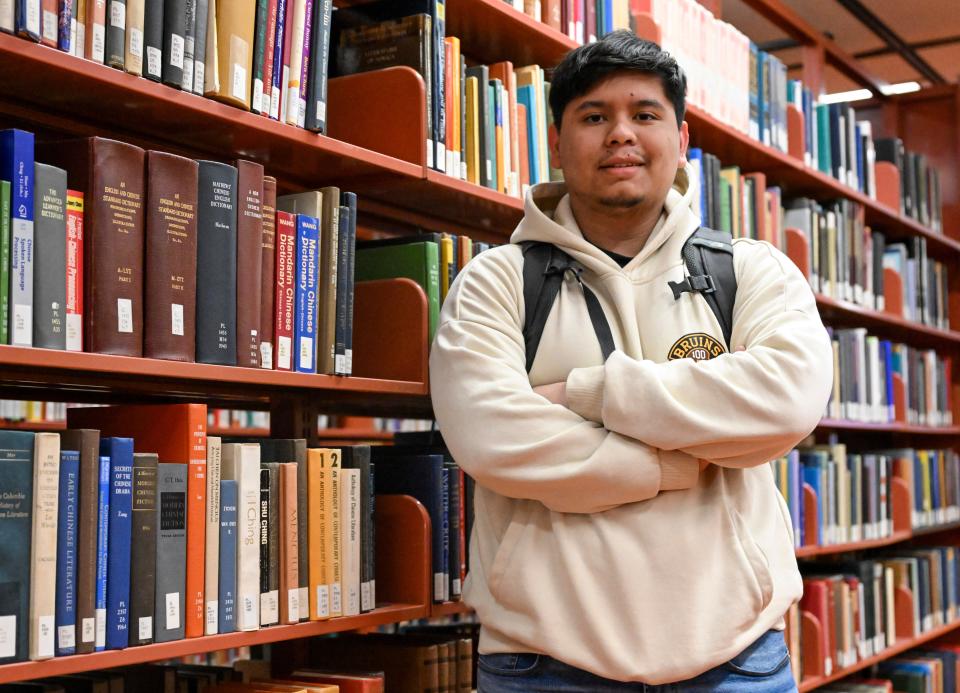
<point>619,145</point>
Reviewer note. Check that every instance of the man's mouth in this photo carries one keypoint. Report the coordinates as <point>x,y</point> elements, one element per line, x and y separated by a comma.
<point>621,163</point>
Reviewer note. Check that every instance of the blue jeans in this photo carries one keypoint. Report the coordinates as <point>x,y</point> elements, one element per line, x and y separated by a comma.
<point>764,667</point>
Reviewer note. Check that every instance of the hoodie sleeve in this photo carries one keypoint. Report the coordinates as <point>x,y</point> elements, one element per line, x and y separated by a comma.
<point>737,410</point>
<point>510,439</point>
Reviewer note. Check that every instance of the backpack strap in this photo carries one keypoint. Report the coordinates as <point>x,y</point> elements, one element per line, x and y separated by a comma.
<point>708,256</point>
<point>544,269</point>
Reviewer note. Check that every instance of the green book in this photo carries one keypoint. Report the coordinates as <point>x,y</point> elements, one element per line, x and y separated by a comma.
<point>4,262</point>
<point>490,125</point>
<point>726,212</point>
<point>417,261</point>
<point>824,160</point>
<point>259,48</point>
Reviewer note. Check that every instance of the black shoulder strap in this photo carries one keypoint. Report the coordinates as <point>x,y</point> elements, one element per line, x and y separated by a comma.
<point>708,256</point>
<point>544,268</point>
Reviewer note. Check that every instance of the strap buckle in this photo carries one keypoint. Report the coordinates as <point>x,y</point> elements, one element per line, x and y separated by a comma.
<point>699,283</point>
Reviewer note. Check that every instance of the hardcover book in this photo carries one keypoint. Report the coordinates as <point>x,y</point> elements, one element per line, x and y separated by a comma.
<point>285,291</point>
<point>174,40</point>
<point>66,590</point>
<point>43,545</point>
<point>212,552</point>
<point>74,287</point>
<point>143,548</point>
<point>249,261</point>
<point>17,166</point>
<point>227,587</point>
<point>120,451</point>
<point>268,245</point>
<point>171,552</point>
<point>16,487</point>
<point>50,257</point>
<point>306,313</point>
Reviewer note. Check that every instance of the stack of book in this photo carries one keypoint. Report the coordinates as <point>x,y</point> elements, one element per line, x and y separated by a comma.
<point>581,20</point>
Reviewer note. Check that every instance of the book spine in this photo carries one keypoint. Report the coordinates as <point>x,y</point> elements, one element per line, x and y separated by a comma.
<point>304,77</point>
<point>249,261</point>
<point>171,552</point>
<point>50,256</point>
<point>77,28</point>
<point>227,587</point>
<point>189,43</point>
<point>200,47</point>
<point>96,28</point>
<point>351,203</point>
<point>268,599</point>
<point>269,46</point>
<point>118,546</point>
<point>49,23</point>
<point>330,260</point>
<point>268,244</point>
<point>103,530</point>
<point>16,486</point>
<point>88,443</point>
<point>289,545</point>
<point>28,19</point>
<point>194,619</point>
<point>143,548</point>
<point>350,540</point>
<point>17,166</point>
<point>74,267</point>
<point>133,51</point>
<point>315,543</point>
<point>153,40</point>
<point>66,589</point>
<point>236,21</point>
<point>303,556</point>
<point>316,101</point>
<point>277,70</point>
<point>174,32</point>
<point>212,556</point>
<point>285,291</point>
<point>259,49</point>
<point>343,233</point>
<point>306,295</point>
<point>217,254</point>
<point>115,48</point>
<point>248,544</point>
<point>7,21</point>
<point>4,262</point>
<point>284,49</point>
<point>293,62</point>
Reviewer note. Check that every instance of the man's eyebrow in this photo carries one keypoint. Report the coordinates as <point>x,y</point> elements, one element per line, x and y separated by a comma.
<point>639,103</point>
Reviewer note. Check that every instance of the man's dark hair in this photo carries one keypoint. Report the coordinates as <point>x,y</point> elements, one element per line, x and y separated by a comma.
<point>582,68</point>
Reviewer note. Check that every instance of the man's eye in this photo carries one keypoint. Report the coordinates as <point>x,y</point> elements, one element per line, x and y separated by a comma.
<point>593,118</point>
<point>645,116</point>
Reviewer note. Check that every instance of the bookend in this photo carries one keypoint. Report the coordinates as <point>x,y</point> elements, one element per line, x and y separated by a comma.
<point>811,635</point>
<point>645,26</point>
<point>903,613</point>
<point>393,344</point>
<point>798,250</point>
<point>811,520</point>
<point>796,134</point>
<point>892,292</point>
<point>888,185</point>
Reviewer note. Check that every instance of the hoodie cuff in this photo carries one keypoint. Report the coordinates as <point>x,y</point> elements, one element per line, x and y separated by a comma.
<point>585,392</point>
<point>678,470</point>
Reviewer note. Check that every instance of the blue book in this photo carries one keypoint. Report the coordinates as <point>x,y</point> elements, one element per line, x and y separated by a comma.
<point>695,157</point>
<point>28,19</point>
<point>527,96</point>
<point>796,497</point>
<point>886,351</point>
<point>607,16</point>
<point>858,150</point>
<point>120,451</point>
<point>763,115</point>
<point>306,303</point>
<point>496,119</point>
<point>935,481</point>
<point>66,613</point>
<point>16,487</point>
<point>445,529</point>
<point>65,20</point>
<point>103,531</point>
<point>16,166</point>
<point>811,475</point>
<point>228,556</point>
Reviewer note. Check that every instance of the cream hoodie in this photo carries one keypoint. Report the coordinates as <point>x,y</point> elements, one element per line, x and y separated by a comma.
<point>597,541</point>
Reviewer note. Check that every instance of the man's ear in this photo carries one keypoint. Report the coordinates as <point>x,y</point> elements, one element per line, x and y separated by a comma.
<point>553,138</point>
<point>684,143</point>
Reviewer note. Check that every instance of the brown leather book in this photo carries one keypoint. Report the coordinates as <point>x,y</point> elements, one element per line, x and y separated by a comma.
<point>267,270</point>
<point>234,49</point>
<point>249,261</point>
<point>464,665</point>
<point>289,545</point>
<point>87,442</point>
<point>110,174</point>
<point>170,299</point>
<point>410,664</point>
<point>551,14</point>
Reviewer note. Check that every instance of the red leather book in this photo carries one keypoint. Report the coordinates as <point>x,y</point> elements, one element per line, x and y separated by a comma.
<point>249,261</point>
<point>285,279</point>
<point>268,270</point>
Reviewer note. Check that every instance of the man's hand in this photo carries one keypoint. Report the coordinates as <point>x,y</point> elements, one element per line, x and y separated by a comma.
<point>554,392</point>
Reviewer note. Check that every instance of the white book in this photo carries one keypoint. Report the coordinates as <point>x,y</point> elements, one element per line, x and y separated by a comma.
<point>241,463</point>
<point>6,15</point>
<point>212,548</point>
<point>350,540</point>
<point>295,106</point>
<point>43,544</point>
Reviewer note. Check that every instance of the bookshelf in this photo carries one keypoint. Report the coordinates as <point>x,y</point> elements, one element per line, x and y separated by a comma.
<point>49,90</point>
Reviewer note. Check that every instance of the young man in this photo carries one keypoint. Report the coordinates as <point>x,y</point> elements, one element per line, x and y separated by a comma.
<point>628,530</point>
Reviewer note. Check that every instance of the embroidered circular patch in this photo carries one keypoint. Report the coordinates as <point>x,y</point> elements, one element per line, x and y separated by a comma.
<point>698,346</point>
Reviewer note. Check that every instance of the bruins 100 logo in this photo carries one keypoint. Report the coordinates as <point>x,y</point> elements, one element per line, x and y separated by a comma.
<point>698,346</point>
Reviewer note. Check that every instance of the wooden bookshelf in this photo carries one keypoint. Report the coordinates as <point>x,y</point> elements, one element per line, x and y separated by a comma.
<point>817,551</point>
<point>841,425</point>
<point>352,434</point>
<point>33,425</point>
<point>838,312</point>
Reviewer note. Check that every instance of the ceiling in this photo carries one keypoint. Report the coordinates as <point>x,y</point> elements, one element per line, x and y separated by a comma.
<point>931,27</point>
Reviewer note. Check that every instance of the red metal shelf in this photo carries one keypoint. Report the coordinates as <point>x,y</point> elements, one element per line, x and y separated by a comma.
<point>59,666</point>
<point>809,684</point>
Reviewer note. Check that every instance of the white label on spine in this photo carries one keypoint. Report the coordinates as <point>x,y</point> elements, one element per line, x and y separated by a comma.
<point>50,26</point>
<point>439,582</point>
<point>322,111</point>
<point>198,76</point>
<point>176,51</point>
<point>274,102</point>
<point>257,95</point>
<point>33,17</point>
<point>88,630</point>
<point>249,615</point>
<point>22,324</point>
<point>212,621</point>
<point>100,640</point>
<point>365,596</point>
<point>118,15</point>
<point>77,47</point>
<point>239,90</point>
<point>269,608</point>
<point>176,315</point>
<point>283,353</point>
<point>66,637</point>
<point>99,34</point>
<point>306,352</point>
<point>348,357</point>
<point>293,604</point>
<point>125,315</point>
<point>8,636</point>
<point>153,61</point>
<point>323,601</point>
<point>173,610</point>
<point>336,605</point>
<point>145,627</point>
<point>266,355</point>
<point>136,43</point>
<point>339,364</point>
<point>187,82</point>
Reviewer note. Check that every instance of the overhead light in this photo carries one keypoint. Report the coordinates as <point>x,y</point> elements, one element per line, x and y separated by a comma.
<point>861,94</point>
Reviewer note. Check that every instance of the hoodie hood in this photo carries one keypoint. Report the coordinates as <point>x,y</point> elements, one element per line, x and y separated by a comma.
<point>549,218</point>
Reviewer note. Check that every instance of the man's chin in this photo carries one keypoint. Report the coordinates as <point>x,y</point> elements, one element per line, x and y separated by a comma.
<point>622,201</point>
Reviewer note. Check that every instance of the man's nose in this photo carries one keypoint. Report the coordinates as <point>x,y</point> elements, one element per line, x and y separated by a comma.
<point>621,132</point>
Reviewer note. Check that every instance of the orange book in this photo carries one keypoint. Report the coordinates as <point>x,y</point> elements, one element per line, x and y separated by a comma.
<point>523,147</point>
<point>289,545</point>
<point>498,135</point>
<point>316,539</point>
<point>455,96</point>
<point>178,434</point>
<point>504,72</point>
